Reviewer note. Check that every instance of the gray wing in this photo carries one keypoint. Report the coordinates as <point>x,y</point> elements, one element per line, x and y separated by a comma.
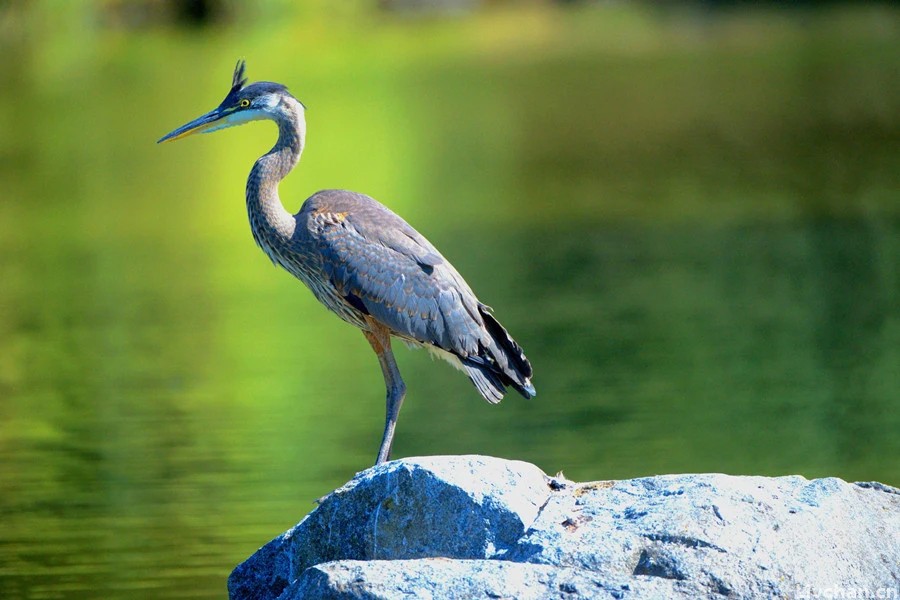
<point>383,267</point>
<point>374,257</point>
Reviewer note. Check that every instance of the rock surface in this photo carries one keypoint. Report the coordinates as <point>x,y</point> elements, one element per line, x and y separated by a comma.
<point>481,527</point>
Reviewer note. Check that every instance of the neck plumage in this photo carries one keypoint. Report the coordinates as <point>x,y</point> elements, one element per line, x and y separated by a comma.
<point>271,224</point>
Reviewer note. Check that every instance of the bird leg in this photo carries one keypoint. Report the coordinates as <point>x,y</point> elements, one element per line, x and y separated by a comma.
<point>380,340</point>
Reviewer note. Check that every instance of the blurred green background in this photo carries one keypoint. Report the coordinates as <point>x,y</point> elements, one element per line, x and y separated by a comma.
<point>688,214</point>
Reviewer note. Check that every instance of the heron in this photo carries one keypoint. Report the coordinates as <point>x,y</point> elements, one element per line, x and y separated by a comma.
<point>364,262</point>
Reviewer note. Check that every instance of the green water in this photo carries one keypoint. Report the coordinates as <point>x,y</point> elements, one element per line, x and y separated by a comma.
<point>691,224</point>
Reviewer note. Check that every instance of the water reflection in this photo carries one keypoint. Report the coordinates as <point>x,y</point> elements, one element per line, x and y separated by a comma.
<point>855,326</point>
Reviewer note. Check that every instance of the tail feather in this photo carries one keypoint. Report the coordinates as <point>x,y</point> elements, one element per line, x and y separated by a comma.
<point>500,363</point>
<point>515,356</point>
<point>487,382</point>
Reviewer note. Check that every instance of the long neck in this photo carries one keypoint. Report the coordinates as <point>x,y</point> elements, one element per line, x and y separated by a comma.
<point>269,221</point>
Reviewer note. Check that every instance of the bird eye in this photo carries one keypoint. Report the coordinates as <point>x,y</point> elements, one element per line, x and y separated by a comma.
<point>245,103</point>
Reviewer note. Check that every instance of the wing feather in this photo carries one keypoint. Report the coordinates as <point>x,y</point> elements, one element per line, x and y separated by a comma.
<point>384,268</point>
<point>404,284</point>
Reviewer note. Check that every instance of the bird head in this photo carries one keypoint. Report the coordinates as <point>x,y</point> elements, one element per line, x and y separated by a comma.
<point>244,103</point>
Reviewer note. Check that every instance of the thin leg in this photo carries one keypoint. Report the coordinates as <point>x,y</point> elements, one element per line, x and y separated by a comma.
<point>396,389</point>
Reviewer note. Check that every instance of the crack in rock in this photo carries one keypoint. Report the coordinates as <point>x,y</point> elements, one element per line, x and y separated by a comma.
<point>682,540</point>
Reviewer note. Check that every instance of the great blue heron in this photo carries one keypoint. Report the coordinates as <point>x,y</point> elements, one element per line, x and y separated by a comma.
<point>364,262</point>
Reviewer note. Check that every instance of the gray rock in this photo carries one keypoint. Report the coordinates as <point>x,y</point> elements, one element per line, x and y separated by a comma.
<point>747,537</point>
<point>478,527</point>
<point>452,507</point>
<point>465,579</point>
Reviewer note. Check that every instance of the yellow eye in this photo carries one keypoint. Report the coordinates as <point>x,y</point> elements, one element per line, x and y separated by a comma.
<point>245,103</point>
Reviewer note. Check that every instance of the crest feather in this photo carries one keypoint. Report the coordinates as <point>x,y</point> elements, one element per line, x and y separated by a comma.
<point>238,80</point>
